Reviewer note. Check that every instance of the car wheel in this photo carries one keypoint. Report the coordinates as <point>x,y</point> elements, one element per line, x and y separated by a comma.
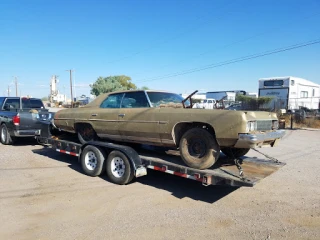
<point>198,148</point>
<point>92,160</point>
<point>118,168</point>
<point>86,133</point>
<point>235,152</point>
<point>5,137</point>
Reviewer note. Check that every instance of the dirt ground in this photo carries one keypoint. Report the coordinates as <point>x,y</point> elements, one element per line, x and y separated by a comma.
<point>45,195</point>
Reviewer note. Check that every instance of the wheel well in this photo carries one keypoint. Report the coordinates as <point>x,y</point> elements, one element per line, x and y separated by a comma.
<point>77,125</point>
<point>182,127</point>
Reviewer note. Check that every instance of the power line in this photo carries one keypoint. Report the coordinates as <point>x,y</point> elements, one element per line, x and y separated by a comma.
<point>185,59</point>
<point>235,60</point>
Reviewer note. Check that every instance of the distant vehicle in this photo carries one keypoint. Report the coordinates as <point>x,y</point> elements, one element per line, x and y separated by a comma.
<point>228,96</point>
<point>21,117</point>
<point>208,103</point>
<point>290,92</point>
<point>235,106</point>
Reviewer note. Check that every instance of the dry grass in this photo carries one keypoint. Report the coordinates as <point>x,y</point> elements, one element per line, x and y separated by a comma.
<point>310,122</point>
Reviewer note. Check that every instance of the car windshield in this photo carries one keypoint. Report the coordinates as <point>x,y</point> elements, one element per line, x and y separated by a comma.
<point>157,98</point>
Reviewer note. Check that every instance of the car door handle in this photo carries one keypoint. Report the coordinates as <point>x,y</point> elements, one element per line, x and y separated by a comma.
<point>94,115</point>
<point>121,115</point>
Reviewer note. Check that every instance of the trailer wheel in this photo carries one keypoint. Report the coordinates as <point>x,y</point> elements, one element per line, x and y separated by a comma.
<point>93,160</point>
<point>235,152</point>
<point>118,168</point>
<point>198,148</point>
<point>5,137</point>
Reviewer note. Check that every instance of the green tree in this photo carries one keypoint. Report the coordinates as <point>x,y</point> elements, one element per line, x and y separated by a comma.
<point>125,81</point>
<point>144,88</point>
<point>111,84</point>
<point>44,99</point>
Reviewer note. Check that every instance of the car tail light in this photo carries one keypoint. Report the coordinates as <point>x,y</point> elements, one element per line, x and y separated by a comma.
<point>16,120</point>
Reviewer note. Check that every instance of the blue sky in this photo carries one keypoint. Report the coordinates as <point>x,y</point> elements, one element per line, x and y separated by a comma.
<point>151,40</point>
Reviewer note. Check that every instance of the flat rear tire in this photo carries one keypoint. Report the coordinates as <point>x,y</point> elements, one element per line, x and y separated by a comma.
<point>86,133</point>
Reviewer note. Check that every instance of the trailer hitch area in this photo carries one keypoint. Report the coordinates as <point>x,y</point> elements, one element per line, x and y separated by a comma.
<point>207,180</point>
<point>237,163</point>
<point>140,171</point>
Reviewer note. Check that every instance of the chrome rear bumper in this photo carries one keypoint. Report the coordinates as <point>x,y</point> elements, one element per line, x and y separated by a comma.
<point>25,133</point>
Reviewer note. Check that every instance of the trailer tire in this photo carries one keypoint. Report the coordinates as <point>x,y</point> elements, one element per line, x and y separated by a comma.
<point>198,148</point>
<point>118,168</point>
<point>5,137</point>
<point>235,152</point>
<point>93,160</point>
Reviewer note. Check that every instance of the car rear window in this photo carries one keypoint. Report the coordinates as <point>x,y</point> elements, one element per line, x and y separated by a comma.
<point>31,103</point>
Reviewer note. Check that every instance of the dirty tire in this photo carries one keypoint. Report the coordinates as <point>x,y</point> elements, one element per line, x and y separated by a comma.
<point>86,133</point>
<point>5,137</point>
<point>198,148</point>
<point>93,160</point>
<point>118,168</point>
<point>235,152</point>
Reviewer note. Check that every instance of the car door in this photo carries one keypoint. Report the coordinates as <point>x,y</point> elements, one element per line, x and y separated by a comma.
<point>104,118</point>
<point>137,121</point>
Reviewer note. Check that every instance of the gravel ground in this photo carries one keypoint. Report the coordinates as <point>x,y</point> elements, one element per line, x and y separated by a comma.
<point>45,195</point>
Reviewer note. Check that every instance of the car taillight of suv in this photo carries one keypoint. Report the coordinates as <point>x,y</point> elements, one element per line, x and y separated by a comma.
<point>16,120</point>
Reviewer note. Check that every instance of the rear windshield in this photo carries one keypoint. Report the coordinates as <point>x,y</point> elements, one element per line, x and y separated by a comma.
<point>157,98</point>
<point>31,103</point>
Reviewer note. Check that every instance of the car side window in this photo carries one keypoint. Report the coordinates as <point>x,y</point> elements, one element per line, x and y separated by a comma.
<point>12,103</point>
<point>134,100</point>
<point>112,101</point>
<point>1,100</point>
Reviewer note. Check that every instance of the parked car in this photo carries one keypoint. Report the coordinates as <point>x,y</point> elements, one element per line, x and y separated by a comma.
<point>164,119</point>
<point>21,117</point>
<point>234,106</point>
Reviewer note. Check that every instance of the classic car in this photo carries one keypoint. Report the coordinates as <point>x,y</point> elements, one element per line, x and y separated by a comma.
<point>166,119</point>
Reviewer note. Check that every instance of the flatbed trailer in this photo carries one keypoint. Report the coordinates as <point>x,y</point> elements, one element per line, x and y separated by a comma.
<point>123,163</point>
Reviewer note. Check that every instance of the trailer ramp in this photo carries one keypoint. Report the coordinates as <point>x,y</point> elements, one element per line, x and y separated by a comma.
<point>224,172</point>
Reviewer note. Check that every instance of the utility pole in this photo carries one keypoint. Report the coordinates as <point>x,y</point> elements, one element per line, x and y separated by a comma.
<point>8,90</point>
<point>71,86</point>
<point>16,84</point>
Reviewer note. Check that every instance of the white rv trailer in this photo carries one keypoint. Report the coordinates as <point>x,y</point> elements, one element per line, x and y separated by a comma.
<point>290,92</point>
